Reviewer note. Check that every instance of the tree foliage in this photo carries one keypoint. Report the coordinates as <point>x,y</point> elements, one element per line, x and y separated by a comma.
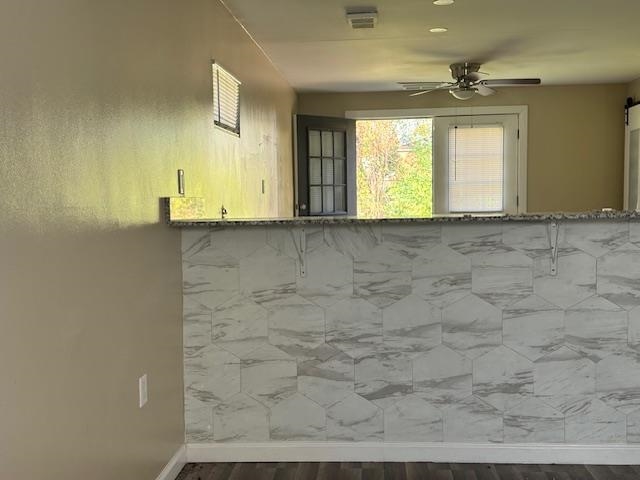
<point>394,175</point>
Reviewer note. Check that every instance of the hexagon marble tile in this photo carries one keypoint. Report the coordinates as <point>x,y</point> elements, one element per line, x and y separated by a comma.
<point>472,420</point>
<point>412,420</point>
<point>328,277</point>
<point>455,333</point>
<point>633,427</point>
<point>411,240</point>
<point>267,276</point>
<point>564,372</point>
<point>532,421</point>
<point>532,239</point>
<point>596,328</point>
<point>297,418</point>
<point>383,378</point>
<point>596,238</point>
<point>442,376</point>
<point>204,287</point>
<point>296,326</point>
<point>574,281</point>
<point>618,276</point>
<point>354,326</point>
<point>618,380</point>
<point>269,375</point>
<point>441,276</point>
<point>353,240</point>
<point>533,327</point>
<point>239,326</point>
<point>502,378</point>
<point>354,419</point>
<point>471,326</point>
<point>240,419</point>
<point>590,421</point>
<point>328,378</point>
<point>411,326</point>
<point>382,275</point>
<point>212,375</point>
<point>475,240</point>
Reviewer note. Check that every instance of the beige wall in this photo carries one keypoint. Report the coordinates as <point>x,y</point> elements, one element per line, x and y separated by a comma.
<point>576,137</point>
<point>633,90</point>
<point>101,103</point>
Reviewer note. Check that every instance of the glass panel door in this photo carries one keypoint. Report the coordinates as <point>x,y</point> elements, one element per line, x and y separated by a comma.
<point>327,172</point>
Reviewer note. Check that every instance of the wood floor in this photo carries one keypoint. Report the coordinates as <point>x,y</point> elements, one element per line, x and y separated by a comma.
<point>403,471</point>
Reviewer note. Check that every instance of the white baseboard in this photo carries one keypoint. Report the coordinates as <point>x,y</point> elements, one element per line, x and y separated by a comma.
<point>414,452</point>
<point>175,465</point>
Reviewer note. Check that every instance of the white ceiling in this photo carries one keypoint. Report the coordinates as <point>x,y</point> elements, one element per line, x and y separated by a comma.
<point>560,41</point>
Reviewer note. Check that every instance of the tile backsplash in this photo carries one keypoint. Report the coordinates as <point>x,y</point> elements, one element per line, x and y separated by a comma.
<point>413,333</point>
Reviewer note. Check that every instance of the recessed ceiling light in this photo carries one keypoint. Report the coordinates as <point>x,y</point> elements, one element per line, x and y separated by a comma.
<point>443,2</point>
<point>438,30</point>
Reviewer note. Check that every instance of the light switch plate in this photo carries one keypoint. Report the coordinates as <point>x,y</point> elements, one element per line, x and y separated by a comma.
<point>143,393</point>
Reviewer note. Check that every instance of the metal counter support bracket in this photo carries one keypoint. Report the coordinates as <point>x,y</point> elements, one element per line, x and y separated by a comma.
<point>552,231</point>
<point>301,246</point>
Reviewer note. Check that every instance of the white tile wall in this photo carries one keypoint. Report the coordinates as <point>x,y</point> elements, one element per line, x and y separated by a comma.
<point>413,333</point>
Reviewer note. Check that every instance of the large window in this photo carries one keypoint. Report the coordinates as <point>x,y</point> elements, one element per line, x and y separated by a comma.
<point>440,165</point>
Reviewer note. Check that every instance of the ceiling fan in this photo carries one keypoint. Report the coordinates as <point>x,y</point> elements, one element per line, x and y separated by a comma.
<point>468,81</point>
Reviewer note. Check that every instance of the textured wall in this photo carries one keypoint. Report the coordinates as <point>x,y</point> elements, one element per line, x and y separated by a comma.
<point>101,102</point>
<point>423,333</point>
<point>576,137</point>
<point>633,90</point>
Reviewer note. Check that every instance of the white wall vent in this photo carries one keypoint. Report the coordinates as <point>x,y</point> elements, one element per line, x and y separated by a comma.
<point>360,19</point>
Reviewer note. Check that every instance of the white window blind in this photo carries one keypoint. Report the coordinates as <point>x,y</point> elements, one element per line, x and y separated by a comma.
<point>226,99</point>
<point>476,168</point>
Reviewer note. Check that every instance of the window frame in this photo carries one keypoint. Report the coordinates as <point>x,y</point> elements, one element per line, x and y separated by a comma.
<point>441,128</point>
<point>215,81</point>
<point>522,111</point>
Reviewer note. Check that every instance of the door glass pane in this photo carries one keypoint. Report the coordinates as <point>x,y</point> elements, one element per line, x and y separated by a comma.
<point>327,198</point>
<point>476,168</point>
<point>327,144</point>
<point>340,205</point>
<point>634,170</point>
<point>314,143</point>
<point>339,144</point>
<point>315,199</point>
<point>327,171</point>
<point>315,177</point>
<point>338,165</point>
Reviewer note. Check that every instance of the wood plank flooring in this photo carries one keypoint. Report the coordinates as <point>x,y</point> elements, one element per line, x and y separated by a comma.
<point>403,471</point>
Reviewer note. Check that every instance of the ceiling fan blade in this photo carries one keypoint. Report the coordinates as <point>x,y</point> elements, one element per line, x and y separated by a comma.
<point>420,85</point>
<point>484,90</point>
<point>422,92</point>
<point>509,82</point>
<point>439,86</point>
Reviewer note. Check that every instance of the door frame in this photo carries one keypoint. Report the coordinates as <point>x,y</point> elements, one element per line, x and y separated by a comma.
<point>632,111</point>
<point>522,111</point>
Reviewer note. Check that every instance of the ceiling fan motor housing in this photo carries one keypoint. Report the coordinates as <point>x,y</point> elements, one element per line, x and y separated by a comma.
<point>460,71</point>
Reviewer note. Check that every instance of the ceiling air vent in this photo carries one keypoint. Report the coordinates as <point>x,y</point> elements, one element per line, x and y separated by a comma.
<point>362,19</point>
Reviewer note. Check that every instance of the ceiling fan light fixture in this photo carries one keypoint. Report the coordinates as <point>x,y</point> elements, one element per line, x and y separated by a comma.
<point>462,93</point>
<point>443,2</point>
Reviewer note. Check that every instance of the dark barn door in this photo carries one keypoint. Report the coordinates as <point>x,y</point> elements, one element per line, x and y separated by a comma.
<point>326,166</point>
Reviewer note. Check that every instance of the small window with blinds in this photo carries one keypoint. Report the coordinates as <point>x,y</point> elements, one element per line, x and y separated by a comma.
<point>226,100</point>
<point>476,168</point>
